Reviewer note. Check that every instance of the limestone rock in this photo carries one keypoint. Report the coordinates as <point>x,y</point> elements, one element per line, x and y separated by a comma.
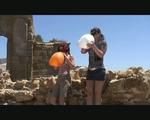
<point>23,96</point>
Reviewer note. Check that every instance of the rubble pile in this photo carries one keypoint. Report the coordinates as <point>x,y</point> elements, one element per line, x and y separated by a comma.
<point>128,87</point>
<point>24,92</point>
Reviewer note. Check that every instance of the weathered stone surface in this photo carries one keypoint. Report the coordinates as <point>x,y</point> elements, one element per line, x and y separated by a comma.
<point>26,58</point>
<point>23,96</point>
<point>130,87</point>
<point>19,85</point>
<point>41,55</point>
<point>15,28</point>
<point>133,89</point>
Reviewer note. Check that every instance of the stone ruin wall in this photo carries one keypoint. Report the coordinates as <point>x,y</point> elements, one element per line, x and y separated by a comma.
<point>26,58</point>
<point>41,55</point>
<point>19,31</point>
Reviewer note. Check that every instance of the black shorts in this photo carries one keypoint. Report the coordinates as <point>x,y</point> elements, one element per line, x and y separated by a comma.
<point>98,74</point>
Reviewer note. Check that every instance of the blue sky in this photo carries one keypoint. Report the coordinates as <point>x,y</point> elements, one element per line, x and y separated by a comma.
<point>127,36</point>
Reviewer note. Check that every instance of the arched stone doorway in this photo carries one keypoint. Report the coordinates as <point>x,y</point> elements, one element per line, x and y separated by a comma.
<point>3,53</point>
<point>20,33</point>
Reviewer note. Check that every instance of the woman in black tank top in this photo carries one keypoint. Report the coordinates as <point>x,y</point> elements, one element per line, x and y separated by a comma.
<point>96,70</point>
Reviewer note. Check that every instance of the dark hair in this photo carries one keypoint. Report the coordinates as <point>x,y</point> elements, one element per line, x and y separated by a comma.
<point>62,48</point>
<point>95,30</point>
<point>102,37</point>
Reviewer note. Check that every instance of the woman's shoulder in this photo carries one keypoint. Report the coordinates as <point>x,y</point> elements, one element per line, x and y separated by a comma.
<point>103,42</point>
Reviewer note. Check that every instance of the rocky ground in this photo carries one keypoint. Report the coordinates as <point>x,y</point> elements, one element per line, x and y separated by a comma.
<point>128,87</point>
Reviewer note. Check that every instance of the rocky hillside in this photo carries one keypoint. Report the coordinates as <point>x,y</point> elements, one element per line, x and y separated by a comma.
<point>2,60</point>
<point>128,87</point>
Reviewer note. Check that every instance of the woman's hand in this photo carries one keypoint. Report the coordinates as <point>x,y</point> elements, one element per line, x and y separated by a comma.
<point>90,45</point>
<point>70,60</point>
<point>83,51</point>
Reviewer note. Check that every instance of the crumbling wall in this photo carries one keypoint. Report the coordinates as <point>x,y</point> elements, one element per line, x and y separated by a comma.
<point>131,87</point>
<point>20,33</point>
<point>41,55</point>
<point>26,59</point>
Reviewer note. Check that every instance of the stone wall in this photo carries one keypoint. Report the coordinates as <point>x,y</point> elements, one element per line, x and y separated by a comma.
<point>41,55</point>
<point>26,59</point>
<point>131,87</point>
<point>20,33</point>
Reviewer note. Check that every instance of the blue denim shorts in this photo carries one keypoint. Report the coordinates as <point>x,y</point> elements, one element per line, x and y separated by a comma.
<point>98,74</point>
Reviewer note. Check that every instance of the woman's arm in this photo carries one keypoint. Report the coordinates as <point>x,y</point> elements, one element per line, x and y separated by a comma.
<point>100,52</point>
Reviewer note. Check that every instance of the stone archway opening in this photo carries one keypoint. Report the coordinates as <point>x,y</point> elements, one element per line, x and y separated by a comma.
<point>20,33</point>
<point>3,53</point>
<point>25,60</point>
